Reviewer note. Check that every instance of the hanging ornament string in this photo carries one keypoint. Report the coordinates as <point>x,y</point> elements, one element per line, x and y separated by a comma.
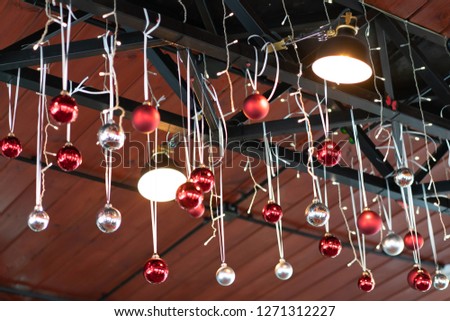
<point>147,35</point>
<point>40,121</point>
<point>430,230</point>
<point>279,224</point>
<point>256,186</point>
<point>50,19</point>
<point>325,197</point>
<point>324,115</point>
<point>268,164</point>
<point>12,110</point>
<point>358,153</point>
<point>359,236</point>
<point>154,217</point>
<point>220,221</point>
<point>388,215</point>
<point>349,231</point>
<point>227,50</point>
<point>184,11</point>
<point>65,44</point>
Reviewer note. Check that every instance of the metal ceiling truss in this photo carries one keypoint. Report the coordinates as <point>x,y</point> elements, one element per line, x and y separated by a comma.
<point>171,31</point>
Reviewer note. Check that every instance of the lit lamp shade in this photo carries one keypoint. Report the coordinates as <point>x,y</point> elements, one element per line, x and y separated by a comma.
<point>343,59</point>
<point>160,179</point>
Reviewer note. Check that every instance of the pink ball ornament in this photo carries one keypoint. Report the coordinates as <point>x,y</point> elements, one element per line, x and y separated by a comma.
<point>145,118</point>
<point>366,282</point>
<point>369,222</point>
<point>422,281</point>
<point>330,246</point>
<point>272,212</point>
<point>256,106</point>
<point>412,242</point>
<point>328,153</point>
<point>63,108</point>
<point>11,146</point>
<point>69,158</point>
<point>189,195</point>
<point>156,270</point>
<point>198,211</point>
<point>204,177</point>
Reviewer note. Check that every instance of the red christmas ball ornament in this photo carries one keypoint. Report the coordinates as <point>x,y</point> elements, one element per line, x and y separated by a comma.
<point>272,212</point>
<point>369,222</point>
<point>328,153</point>
<point>204,177</point>
<point>330,246</point>
<point>256,106</point>
<point>412,242</point>
<point>422,281</point>
<point>411,275</point>
<point>63,108</point>
<point>198,211</point>
<point>366,282</point>
<point>69,158</point>
<point>145,118</point>
<point>189,195</point>
<point>156,270</point>
<point>11,146</point>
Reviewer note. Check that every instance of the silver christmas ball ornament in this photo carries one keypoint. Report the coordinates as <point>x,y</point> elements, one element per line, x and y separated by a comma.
<point>392,244</point>
<point>404,177</point>
<point>440,281</point>
<point>38,219</point>
<point>283,270</point>
<point>225,275</point>
<point>108,219</point>
<point>111,136</point>
<point>317,214</point>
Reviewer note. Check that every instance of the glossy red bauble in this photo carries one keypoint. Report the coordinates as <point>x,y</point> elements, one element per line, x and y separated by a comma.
<point>204,177</point>
<point>330,246</point>
<point>272,212</point>
<point>366,282</point>
<point>156,270</point>
<point>328,153</point>
<point>411,275</point>
<point>422,281</point>
<point>69,158</point>
<point>189,195</point>
<point>63,109</point>
<point>256,106</point>
<point>11,146</point>
<point>369,222</point>
<point>198,211</point>
<point>412,242</point>
<point>145,118</point>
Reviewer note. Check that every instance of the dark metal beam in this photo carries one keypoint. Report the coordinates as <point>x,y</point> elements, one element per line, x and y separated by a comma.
<point>30,80</point>
<point>442,187</point>
<point>33,295</point>
<point>250,20</point>
<point>207,20</point>
<point>241,54</point>
<point>385,63</point>
<point>78,49</point>
<point>429,74</point>
<point>291,125</point>
<point>437,155</point>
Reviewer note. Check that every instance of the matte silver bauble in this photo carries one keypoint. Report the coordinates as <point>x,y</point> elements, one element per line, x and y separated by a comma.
<point>111,136</point>
<point>392,244</point>
<point>38,219</point>
<point>108,219</point>
<point>283,270</point>
<point>404,177</point>
<point>317,214</point>
<point>225,275</point>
